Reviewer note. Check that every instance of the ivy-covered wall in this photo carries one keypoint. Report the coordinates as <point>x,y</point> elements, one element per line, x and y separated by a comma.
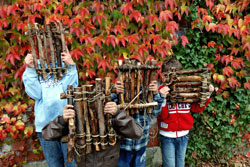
<point>211,32</point>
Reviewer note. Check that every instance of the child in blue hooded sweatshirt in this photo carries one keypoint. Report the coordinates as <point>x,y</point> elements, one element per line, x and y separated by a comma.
<point>48,105</point>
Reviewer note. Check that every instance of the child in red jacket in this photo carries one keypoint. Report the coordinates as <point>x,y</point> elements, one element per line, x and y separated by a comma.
<point>174,124</point>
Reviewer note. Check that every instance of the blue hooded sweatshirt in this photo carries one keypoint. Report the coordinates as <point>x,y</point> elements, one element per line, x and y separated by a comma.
<point>46,94</point>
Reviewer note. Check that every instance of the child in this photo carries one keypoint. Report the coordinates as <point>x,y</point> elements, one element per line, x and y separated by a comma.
<point>123,124</point>
<point>174,124</point>
<point>133,152</point>
<point>48,105</point>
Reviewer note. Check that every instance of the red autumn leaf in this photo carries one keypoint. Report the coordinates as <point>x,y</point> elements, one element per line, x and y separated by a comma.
<point>184,40</point>
<point>133,38</point>
<point>88,27</point>
<point>211,26</point>
<point>28,131</point>
<point>67,1</point>
<point>5,119</point>
<point>13,55</point>
<point>247,53</point>
<point>248,154</point>
<point>206,18</point>
<point>141,49</point>
<point>103,63</point>
<point>76,53</point>
<point>38,6</point>
<point>8,107</point>
<point>60,8</point>
<point>111,39</point>
<point>12,10</point>
<point>155,38</point>
<point>166,15</point>
<point>119,28</point>
<point>88,64</point>
<point>3,11</point>
<point>4,75</point>
<point>21,26</point>
<point>223,28</point>
<point>87,39</point>
<point>172,25</point>
<point>210,3</point>
<point>227,71</point>
<point>211,44</point>
<point>184,9</point>
<point>135,14</point>
<point>226,58</point>
<point>83,11</point>
<point>32,18</point>
<point>237,63</point>
<point>247,85</point>
<point>247,45</point>
<point>152,18</point>
<point>234,51</point>
<point>171,3</point>
<point>19,72</point>
<point>98,40</point>
<point>89,49</point>
<point>246,19</point>
<point>91,73</point>
<point>97,6</point>
<point>217,57</point>
<point>22,107</point>
<point>128,7</point>
<point>20,125</point>
<point>3,23</point>
<point>233,82</point>
<point>2,86</point>
<point>76,30</point>
<point>241,74</point>
<point>122,40</point>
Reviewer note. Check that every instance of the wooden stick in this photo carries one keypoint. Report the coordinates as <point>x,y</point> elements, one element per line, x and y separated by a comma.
<point>32,47</point>
<point>86,119</point>
<point>40,50</point>
<point>132,86</point>
<point>93,120</point>
<point>138,86</point>
<point>151,78</point>
<point>52,52</point>
<point>110,129</point>
<point>99,109</point>
<point>80,132</point>
<point>137,106</point>
<point>120,78</point>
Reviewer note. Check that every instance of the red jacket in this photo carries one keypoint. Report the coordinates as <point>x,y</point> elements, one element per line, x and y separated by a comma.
<point>178,117</point>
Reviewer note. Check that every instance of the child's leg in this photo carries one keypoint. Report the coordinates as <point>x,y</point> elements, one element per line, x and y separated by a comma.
<point>125,158</point>
<point>168,151</point>
<point>139,159</point>
<point>181,147</point>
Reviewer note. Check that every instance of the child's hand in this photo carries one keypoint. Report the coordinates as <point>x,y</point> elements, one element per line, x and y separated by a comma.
<point>164,91</point>
<point>66,57</point>
<point>110,108</point>
<point>211,88</point>
<point>153,87</point>
<point>29,60</point>
<point>68,112</point>
<point>119,87</point>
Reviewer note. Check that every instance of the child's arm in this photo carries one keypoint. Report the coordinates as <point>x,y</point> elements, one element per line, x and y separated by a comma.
<point>30,79</point>
<point>58,128</point>
<point>71,77</point>
<point>196,107</point>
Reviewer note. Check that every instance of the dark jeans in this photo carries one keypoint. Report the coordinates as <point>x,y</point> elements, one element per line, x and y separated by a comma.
<point>55,152</point>
<point>174,151</point>
<point>132,158</point>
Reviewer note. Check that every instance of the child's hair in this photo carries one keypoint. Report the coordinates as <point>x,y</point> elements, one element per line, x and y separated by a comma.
<point>169,63</point>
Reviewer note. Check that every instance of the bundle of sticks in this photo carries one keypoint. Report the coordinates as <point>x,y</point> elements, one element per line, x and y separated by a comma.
<point>187,86</point>
<point>136,78</point>
<point>49,41</point>
<point>91,128</point>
